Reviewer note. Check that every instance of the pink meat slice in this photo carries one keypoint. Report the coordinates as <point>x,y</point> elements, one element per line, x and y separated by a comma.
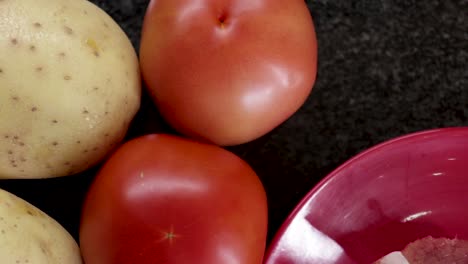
<point>430,250</point>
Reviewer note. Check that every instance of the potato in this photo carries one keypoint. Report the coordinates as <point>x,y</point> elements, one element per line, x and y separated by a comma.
<point>69,87</point>
<point>28,235</point>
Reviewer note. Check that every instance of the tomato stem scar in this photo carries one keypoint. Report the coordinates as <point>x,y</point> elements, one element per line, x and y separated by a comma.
<point>169,235</point>
<point>222,19</point>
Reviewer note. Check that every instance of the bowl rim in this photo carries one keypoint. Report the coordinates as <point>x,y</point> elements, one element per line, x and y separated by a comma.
<point>317,187</point>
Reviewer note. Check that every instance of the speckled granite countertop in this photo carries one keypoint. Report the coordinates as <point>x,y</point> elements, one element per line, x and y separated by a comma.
<point>386,68</point>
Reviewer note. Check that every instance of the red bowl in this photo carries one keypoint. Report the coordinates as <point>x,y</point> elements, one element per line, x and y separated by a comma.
<point>381,200</point>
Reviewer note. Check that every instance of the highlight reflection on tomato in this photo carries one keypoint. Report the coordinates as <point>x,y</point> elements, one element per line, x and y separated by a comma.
<point>228,71</point>
<point>166,199</point>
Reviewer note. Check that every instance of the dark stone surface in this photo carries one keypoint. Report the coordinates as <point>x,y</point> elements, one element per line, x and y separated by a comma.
<point>386,68</point>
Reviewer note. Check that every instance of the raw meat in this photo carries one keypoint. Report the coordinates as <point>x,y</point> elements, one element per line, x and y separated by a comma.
<point>430,250</point>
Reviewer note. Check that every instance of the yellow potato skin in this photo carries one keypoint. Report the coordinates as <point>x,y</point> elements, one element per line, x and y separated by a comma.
<point>69,87</point>
<point>28,235</point>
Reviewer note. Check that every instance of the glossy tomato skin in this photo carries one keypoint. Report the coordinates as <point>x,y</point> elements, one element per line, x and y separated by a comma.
<point>228,71</point>
<point>165,199</point>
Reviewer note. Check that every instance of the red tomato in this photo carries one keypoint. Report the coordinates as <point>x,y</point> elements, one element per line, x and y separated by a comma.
<point>228,71</point>
<point>162,199</point>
